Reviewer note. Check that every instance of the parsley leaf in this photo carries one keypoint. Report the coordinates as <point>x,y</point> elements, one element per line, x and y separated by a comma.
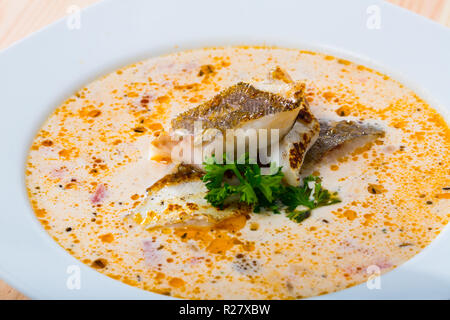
<point>217,196</point>
<point>263,191</point>
<point>214,173</point>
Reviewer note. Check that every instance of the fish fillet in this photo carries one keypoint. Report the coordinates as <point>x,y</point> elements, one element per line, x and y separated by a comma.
<point>226,120</point>
<point>295,145</point>
<point>178,200</point>
<point>337,134</point>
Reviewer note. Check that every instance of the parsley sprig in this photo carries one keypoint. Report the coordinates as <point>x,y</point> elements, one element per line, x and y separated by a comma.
<point>250,186</point>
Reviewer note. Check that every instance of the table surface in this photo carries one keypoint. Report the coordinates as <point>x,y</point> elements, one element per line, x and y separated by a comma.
<point>19,18</point>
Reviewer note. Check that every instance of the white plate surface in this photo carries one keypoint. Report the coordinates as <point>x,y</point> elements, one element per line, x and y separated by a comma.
<point>39,72</point>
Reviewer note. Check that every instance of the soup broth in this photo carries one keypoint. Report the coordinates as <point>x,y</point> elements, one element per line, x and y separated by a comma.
<point>89,168</point>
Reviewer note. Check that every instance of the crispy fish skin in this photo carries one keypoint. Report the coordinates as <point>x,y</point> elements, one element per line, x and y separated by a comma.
<point>334,134</point>
<point>235,106</point>
<point>296,144</point>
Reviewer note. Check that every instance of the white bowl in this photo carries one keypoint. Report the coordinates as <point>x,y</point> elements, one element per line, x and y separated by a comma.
<point>38,73</point>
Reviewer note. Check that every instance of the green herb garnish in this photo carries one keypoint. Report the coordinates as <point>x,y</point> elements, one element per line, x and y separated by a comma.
<point>263,191</point>
<point>252,187</point>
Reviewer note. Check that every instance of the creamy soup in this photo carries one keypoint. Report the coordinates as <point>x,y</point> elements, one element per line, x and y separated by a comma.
<point>89,168</point>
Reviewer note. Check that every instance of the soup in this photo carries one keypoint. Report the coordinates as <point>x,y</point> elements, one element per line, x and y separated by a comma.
<point>90,168</point>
